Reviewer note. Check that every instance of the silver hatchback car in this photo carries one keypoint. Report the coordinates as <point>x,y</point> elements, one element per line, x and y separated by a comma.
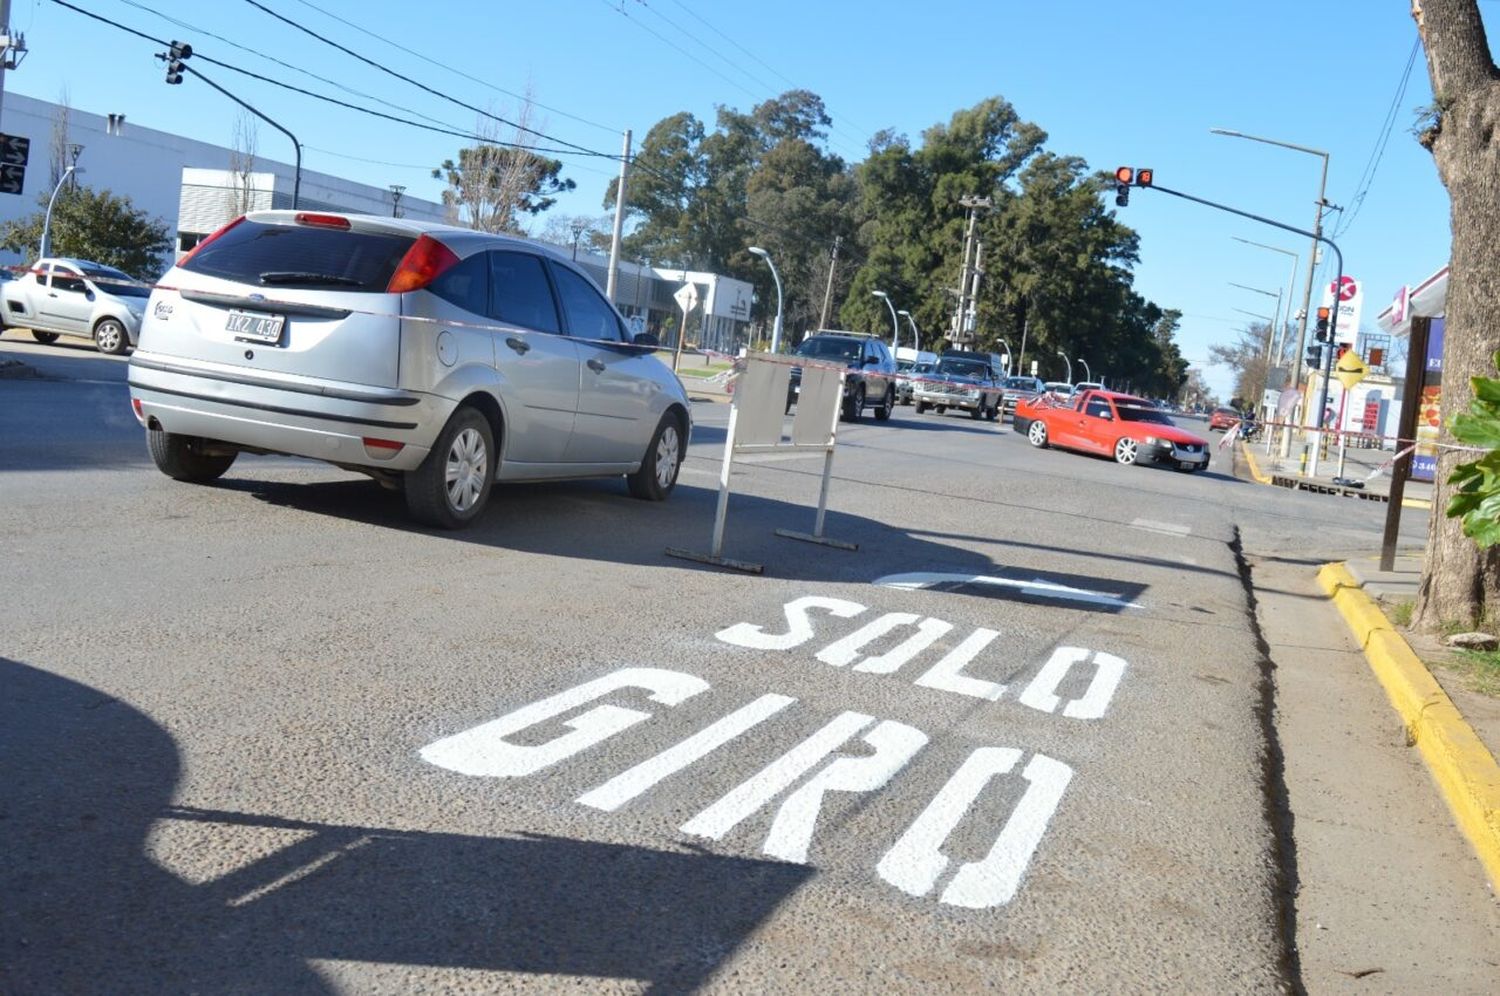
<point>436,360</point>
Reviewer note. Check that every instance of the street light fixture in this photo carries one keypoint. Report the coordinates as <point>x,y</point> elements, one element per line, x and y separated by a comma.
<point>1312,256</point>
<point>1088,374</point>
<point>1069,363</point>
<point>1271,329</point>
<point>47,219</point>
<point>916,340</point>
<point>1291,280</point>
<point>775,329</point>
<point>1008,356</point>
<point>895,324</point>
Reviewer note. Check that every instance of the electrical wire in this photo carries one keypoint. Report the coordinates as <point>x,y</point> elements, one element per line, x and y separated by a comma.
<point>419,85</point>
<point>280,62</point>
<point>1377,153</point>
<point>457,72</point>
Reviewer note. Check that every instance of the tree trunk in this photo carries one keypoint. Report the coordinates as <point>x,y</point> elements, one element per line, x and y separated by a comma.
<point>1460,582</point>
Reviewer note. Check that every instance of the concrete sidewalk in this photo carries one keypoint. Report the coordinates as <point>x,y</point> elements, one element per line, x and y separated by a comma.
<point>1359,464</point>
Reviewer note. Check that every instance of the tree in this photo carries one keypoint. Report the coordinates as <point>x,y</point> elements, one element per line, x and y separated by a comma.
<point>1246,356</point>
<point>242,163</point>
<point>498,181</point>
<point>1460,582</point>
<point>98,226</point>
<point>590,232</point>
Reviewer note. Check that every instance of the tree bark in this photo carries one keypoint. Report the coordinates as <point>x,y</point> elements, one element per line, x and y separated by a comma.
<point>1460,582</point>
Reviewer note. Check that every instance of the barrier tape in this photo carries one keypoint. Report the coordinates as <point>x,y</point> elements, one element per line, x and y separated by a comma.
<point>1371,436</point>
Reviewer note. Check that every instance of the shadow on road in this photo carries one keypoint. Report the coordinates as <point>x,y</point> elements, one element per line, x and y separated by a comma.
<point>86,910</point>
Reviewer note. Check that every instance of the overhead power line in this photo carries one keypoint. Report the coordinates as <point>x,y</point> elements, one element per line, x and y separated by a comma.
<point>416,83</point>
<point>457,72</point>
<point>1383,138</point>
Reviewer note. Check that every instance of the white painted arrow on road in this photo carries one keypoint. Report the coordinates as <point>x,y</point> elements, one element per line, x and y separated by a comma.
<point>1036,587</point>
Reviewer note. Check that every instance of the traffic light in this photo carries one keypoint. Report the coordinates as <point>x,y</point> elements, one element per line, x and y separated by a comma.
<point>179,52</point>
<point>1143,178</point>
<point>1315,355</point>
<point>1320,330</point>
<point>1123,177</point>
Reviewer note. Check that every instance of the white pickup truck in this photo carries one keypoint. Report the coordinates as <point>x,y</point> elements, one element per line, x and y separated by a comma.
<point>58,296</point>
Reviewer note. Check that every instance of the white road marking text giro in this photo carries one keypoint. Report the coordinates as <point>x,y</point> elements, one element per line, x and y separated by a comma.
<point>802,778</point>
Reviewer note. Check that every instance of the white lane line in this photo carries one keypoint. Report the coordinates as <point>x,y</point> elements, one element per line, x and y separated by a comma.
<point>1165,528</point>
<point>1035,587</point>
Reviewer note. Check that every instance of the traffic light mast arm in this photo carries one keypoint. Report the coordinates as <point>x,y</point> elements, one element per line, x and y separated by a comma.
<point>1333,318</point>
<point>296,145</point>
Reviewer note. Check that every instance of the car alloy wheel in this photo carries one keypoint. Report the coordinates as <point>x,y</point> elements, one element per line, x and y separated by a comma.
<point>1126,450</point>
<point>668,452</point>
<point>109,336</point>
<point>467,470</point>
<point>1036,434</point>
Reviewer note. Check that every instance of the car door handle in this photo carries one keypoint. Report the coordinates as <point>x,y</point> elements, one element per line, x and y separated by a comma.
<point>596,365</point>
<point>519,345</point>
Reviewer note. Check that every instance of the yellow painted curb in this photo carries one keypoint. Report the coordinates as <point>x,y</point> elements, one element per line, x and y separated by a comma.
<point>1415,503</point>
<point>1254,467</point>
<point>1464,769</point>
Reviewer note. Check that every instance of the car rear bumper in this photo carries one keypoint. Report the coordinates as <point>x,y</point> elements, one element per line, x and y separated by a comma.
<point>298,416</point>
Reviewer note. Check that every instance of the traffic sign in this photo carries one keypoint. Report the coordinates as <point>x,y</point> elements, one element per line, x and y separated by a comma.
<point>686,297</point>
<point>15,150</point>
<point>1350,369</point>
<point>12,178</point>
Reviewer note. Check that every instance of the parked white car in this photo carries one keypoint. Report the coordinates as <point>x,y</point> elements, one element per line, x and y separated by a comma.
<point>76,297</point>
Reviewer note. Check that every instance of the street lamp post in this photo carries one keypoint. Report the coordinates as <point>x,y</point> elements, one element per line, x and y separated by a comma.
<point>1088,374</point>
<point>1008,356</point>
<point>776,328</point>
<point>1069,363</point>
<point>895,325</point>
<point>1312,255</point>
<point>916,340</point>
<point>1276,313</point>
<point>47,219</point>
<point>1291,282</point>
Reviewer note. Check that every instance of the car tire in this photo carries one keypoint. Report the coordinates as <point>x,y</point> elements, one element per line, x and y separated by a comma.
<point>45,338</point>
<point>921,407</point>
<point>1127,451</point>
<point>110,337</point>
<point>1036,435</point>
<point>977,412</point>
<point>886,407</point>
<point>465,452</point>
<point>994,413</point>
<point>182,458</point>
<point>657,474</point>
<point>854,407</point>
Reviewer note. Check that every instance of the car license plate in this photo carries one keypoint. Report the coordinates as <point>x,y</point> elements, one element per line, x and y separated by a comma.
<point>257,328</point>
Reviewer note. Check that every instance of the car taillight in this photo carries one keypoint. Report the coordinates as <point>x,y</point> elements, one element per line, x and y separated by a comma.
<point>423,263</point>
<point>207,239</point>
<point>381,449</point>
<point>322,220</point>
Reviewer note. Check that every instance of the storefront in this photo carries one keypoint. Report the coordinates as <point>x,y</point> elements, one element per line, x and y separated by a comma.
<point>1428,299</point>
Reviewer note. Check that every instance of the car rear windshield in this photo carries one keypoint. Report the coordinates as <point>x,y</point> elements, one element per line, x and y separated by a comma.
<point>1021,384</point>
<point>831,349</point>
<point>301,256</point>
<point>1137,410</point>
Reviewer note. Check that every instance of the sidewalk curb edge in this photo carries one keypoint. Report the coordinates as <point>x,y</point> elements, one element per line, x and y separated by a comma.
<point>1465,771</point>
<point>1260,478</point>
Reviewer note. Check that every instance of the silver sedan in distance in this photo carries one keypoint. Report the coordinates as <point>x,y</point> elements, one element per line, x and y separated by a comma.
<point>436,360</point>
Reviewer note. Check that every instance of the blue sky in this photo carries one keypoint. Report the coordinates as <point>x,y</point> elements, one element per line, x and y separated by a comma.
<point>1137,84</point>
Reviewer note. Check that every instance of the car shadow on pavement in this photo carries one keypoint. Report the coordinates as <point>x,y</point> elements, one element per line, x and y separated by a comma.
<point>87,777</point>
<point>597,520</point>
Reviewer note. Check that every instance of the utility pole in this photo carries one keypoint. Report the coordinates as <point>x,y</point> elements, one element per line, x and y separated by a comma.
<point>973,204</point>
<point>614,242</point>
<point>971,317</point>
<point>833,262</point>
<point>12,47</point>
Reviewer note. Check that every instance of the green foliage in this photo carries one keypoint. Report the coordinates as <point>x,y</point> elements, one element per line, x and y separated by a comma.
<point>97,226</point>
<point>1477,498</point>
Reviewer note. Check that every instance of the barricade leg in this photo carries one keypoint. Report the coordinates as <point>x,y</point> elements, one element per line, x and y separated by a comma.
<point>715,555</point>
<point>816,536</point>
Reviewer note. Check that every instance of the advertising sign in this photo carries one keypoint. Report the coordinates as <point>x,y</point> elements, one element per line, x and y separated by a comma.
<point>1351,299</point>
<point>1429,408</point>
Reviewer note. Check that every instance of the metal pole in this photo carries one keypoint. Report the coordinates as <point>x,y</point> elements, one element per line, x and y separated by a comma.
<point>776,328</point>
<point>4,51</point>
<point>1069,363</point>
<point>614,242</point>
<point>1312,262</point>
<point>721,510</point>
<point>47,219</point>
<point>1025,328</point>
<point>1008,356</point>
<point>895,323</point>
<point>963,279</point>
<point>1406,431</point>
<point>1087,373</point>
<point>296,145</point>
<point>828,291</point>
<point>916,339</point>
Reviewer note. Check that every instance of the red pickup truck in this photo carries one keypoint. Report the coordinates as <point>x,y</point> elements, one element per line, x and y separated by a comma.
<point>1107,423</point>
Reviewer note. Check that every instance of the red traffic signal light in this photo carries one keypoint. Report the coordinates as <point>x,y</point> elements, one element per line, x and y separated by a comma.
<point>1125,175</point>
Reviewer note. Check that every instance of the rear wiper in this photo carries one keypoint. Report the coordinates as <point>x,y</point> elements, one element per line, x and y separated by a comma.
<point>298,277</point>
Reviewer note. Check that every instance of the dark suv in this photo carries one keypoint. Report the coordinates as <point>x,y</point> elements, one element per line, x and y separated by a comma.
<point>872,370</point>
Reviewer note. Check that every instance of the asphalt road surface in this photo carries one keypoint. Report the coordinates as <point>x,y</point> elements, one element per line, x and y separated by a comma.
<point>267,735</point>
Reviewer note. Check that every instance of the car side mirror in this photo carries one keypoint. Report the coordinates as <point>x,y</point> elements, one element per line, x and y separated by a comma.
<point>646,339</point>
